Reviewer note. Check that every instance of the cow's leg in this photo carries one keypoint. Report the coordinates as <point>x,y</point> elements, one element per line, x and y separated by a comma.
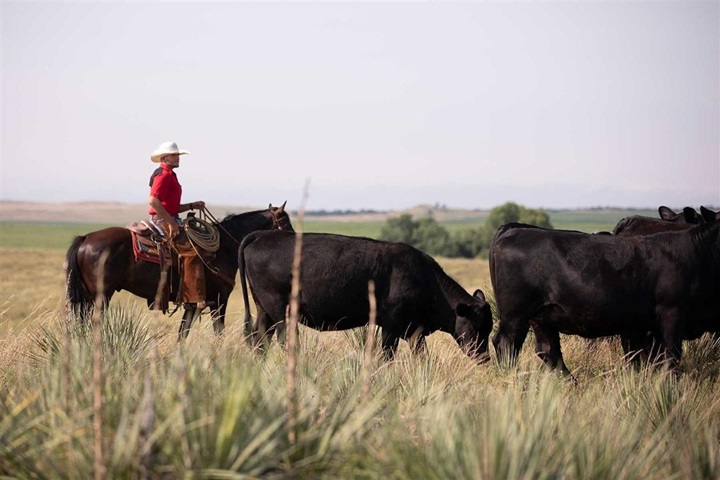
<point>390,342</point>
<point>635,349</point>
<point>281,332</point>
<point>418,345</point>
<point>262,329</point>
<point>672,334</point>
<point>509,339</point>
<point>187,321</point>
<point>547,346</point>
<point>653,349</point>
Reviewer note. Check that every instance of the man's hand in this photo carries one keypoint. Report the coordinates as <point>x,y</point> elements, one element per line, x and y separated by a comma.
<point>172,228</point>
<point>199,205</point>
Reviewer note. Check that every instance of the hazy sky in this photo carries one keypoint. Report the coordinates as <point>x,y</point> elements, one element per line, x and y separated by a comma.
<point>378,105</point>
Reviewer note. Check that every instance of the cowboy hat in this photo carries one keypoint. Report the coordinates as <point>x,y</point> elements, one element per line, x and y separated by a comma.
<point>167,148</point>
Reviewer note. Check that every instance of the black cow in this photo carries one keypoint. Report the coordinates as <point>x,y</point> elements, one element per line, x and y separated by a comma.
<point>575,283</point>
<point>638,225</point>
<point>669,220</point>
<point>709,216</point>
<point>413,293</point>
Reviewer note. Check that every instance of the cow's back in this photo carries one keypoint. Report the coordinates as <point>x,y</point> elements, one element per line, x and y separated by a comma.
<point>639,225</point>
<point>596,285</point>
<point>586,284</point>
<point>335,271</point>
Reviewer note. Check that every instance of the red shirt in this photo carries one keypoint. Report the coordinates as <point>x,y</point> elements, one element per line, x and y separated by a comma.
<point>167,189</point>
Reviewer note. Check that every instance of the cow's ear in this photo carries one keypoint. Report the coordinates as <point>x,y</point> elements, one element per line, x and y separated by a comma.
<point>666,213</point>
<point>691,216</point>
<point>709,215</point>
<point>479,295</point>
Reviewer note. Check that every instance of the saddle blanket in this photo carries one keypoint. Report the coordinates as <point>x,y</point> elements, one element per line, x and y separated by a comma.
<point>145,240</point>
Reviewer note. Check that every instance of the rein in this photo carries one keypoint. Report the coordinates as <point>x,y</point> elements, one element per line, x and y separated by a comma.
<point>204,211</point>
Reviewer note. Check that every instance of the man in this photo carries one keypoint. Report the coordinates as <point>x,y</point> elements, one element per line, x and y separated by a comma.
<point>165,207</point>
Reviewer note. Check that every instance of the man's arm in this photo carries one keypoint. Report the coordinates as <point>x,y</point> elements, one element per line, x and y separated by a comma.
<point>172,227</point>
<point>184,207</point>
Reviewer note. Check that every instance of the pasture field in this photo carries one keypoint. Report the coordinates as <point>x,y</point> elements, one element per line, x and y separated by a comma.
<point>213,408</point>
<point>356,229</point>
<point>57,235</point>
<point>593,220</point>
<point>583,220</point>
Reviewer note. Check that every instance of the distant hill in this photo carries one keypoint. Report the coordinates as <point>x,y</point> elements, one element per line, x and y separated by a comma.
<point>112,213</point>
<point>88,212</point>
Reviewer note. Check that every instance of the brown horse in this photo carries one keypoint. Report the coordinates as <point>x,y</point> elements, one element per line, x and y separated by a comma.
<point>120,270</point>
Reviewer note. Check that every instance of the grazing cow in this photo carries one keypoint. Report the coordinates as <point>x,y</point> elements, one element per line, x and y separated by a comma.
<point>575,283</point>
<point>414,295</point>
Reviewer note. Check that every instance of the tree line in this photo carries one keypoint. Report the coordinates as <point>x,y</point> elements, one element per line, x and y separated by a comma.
<point>428,235</point>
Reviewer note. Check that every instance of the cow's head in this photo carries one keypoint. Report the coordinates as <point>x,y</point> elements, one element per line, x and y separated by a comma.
<point>473,323</point>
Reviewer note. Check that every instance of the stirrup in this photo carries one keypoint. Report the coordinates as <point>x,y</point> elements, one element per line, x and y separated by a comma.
<point>200,306</point>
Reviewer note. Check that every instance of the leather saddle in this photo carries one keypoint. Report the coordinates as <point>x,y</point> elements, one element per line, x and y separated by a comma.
<point>148,242</point>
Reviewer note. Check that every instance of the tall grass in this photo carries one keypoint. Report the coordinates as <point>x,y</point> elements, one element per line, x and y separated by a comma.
<point>210,408</point>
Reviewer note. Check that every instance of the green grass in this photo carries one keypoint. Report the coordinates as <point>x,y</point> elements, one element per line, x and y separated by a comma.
<point>57,236</point>
<point>50,236</point>
<point>591,221</point>
<point>356,229</point>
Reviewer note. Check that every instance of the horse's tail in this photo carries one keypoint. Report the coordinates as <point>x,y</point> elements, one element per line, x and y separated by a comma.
<point>243,282</point>
<point>78,297</point>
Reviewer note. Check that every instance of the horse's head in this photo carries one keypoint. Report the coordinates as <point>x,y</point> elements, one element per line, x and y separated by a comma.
<point>280,218</point>
<point>235,227</point>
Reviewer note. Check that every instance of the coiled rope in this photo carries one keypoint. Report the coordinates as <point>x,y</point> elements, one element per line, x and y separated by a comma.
<point>202,234</point>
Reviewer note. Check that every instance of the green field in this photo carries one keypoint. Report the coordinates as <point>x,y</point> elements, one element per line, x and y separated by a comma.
<point>59,235</point>
<point>592,221</point>
<point>51,236</point>
<point>357,229</point>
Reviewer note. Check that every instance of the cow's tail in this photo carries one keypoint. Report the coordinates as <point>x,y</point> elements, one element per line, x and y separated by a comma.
<point>248,326</point>
<point>78,298</point>
<point>492,263</point>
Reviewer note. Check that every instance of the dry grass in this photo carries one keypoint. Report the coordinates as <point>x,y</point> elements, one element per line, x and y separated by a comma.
<point>213,408</point>
<point>216,409</point>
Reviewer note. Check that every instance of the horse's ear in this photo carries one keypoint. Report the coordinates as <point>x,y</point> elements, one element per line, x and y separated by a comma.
<point>270,206</point>
<point>282,207</point>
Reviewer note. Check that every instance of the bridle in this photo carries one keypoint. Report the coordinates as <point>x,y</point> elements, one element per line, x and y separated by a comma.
<point>275,214</point>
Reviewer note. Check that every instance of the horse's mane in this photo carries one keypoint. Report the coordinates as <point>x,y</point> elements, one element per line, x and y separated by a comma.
<point>231,216</point>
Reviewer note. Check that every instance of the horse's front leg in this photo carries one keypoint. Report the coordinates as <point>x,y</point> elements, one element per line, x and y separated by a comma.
<point>218,318</point>
<point>187,320</point>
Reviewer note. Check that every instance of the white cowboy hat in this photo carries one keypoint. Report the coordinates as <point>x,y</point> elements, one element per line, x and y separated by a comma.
<point>167,148</point>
